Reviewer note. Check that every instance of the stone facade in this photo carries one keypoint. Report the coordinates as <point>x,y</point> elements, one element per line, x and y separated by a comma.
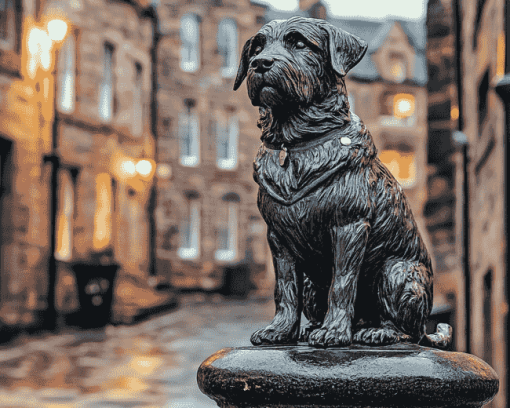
<point>467,57</point>
<point>210,234</point>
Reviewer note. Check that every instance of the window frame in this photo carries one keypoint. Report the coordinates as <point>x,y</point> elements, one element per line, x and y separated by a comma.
<point>67,70</point>
<point>231,139</point>
<point>227,31</point>
<point>137,124</point>
<point>189,247</point>
<point>65,216</point>
<point>190,47</point>
<point>107,83</point>
<point>229,253</point>
<point>189,125</point>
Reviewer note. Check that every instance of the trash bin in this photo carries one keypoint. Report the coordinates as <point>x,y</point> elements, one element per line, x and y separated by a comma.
<point>95,293</point>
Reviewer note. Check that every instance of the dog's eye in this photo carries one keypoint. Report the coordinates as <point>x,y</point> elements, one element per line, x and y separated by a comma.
<point>257,50</point>
<point>300,44</point>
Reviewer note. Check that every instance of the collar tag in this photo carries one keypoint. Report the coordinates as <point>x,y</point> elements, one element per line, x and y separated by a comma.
<point>283,156</point>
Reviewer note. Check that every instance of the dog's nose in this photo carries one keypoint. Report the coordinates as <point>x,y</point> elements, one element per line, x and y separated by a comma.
<point>262,64</point>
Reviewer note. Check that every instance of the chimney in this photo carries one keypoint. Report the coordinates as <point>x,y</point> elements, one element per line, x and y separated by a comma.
<point>305,5</point>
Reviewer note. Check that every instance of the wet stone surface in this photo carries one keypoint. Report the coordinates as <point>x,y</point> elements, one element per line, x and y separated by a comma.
<point>150,364</point>
<point>402,375</point>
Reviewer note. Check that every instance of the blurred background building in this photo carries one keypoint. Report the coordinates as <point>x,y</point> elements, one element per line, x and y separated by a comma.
<point>467,205</point>
<point>124,151</point>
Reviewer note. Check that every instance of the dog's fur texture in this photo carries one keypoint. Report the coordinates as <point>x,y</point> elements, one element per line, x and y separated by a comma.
<point>345,245</point>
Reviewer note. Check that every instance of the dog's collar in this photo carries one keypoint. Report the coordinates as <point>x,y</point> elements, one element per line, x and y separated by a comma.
<point>306,144</point>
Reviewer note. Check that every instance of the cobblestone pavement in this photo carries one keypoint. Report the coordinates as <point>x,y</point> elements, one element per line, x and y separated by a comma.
<point>150,364</point>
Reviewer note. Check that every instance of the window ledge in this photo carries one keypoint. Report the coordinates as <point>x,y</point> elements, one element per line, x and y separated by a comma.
<point>189,161</point>
<point>227,164</point>
<point>187,253</point>
<point>225,255</point>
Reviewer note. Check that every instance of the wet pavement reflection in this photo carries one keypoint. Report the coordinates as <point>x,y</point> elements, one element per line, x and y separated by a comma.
<point>150,364</point>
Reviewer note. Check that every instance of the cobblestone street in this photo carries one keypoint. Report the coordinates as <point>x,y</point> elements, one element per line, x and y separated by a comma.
<point>150,364</point>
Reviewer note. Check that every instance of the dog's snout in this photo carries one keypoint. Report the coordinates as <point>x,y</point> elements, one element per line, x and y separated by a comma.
<point>262,64</point>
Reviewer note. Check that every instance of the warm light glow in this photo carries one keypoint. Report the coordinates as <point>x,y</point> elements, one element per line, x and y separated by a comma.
<point>164,171</point>
<point>500,64</point>
<point>454,113</point>
<point>398,71</point>
<point>57,29</point>
<point>103,215</point>
<point>145,366</point>
<point>144,167</point>
<point>39,46</point>
<point>401,165</point>
<point>403,105</point>
<point>128,168</point>
<point>64,218</point>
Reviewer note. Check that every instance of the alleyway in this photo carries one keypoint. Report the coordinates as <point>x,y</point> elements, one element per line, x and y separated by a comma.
<point>150,364</point>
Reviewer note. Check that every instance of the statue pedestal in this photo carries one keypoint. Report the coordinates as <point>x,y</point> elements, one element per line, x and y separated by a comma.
<point>404,375</point>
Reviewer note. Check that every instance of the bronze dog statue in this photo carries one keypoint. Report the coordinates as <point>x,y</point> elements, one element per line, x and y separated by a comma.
<point>346,248</point>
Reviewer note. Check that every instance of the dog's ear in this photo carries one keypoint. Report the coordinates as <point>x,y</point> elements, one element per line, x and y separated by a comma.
<point>345,49</point>
<point>243,65</point>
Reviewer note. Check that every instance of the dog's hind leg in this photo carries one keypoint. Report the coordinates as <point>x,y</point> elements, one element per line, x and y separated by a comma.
<point>404,292</point>
<point>315,306</point>
<point>284,329</point>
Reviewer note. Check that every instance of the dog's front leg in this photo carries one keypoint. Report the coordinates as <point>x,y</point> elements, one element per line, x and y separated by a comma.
<point>349,244</point>
<point>284,329</point>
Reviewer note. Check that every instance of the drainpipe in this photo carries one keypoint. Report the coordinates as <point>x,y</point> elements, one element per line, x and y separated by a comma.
<point>152,13</point>
<point>502,88</point>
<point>461,141</point>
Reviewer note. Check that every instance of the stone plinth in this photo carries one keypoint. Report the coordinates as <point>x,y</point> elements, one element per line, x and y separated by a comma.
<point>300,376</point>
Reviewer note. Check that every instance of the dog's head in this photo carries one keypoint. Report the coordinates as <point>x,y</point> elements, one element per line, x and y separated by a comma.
<point>296,61</point>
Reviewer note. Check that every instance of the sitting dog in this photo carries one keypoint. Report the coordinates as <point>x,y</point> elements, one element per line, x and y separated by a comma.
<point>345,246</point>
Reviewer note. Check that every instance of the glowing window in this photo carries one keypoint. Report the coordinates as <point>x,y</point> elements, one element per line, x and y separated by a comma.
<point>402,165</point>
<point>103,214</point>
<point>403,105</point>
<point>227,46</point>
<point>65,213</point>
<point>189,230</point>
<point>190,43</point>
<point>226,230</point>
<point>67,75</point>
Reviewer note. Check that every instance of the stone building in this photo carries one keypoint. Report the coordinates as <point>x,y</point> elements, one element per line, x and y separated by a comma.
<point>210,234</point>
<point>77,156</point>
<point>468,56</point>
<point>24,141</point>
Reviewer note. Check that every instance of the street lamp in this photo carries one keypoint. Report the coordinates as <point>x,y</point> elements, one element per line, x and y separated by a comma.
<point>42,40</point>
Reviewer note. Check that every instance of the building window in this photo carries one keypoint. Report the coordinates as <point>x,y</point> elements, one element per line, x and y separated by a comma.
<point>397,110</point>
<point>67,75</point>
<point>103,214</point>
<point>226,143</point>
<point>8,23</point>
<point>227,216</point>
<point>63,251</point>
<point>398,68</point>
<point>106,86</point>
<point>402,164</point>
<point>138,101</point>
<point>190,228</point>
<point>190,43</point>
<point>189,133</point>
<point>227,46</point>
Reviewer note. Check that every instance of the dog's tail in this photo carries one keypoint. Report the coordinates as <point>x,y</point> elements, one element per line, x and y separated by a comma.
<point>441,339</point>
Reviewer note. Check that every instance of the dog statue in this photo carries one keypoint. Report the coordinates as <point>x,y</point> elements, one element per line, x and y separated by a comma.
<point>346,249</point>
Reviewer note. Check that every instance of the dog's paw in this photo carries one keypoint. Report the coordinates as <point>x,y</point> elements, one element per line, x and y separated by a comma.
<point>378,336</point>
<point>305,331</point>
<point>330,337</point>
<point>273,335</point>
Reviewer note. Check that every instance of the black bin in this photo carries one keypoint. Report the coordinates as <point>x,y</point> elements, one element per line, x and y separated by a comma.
<point>95,293</point>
